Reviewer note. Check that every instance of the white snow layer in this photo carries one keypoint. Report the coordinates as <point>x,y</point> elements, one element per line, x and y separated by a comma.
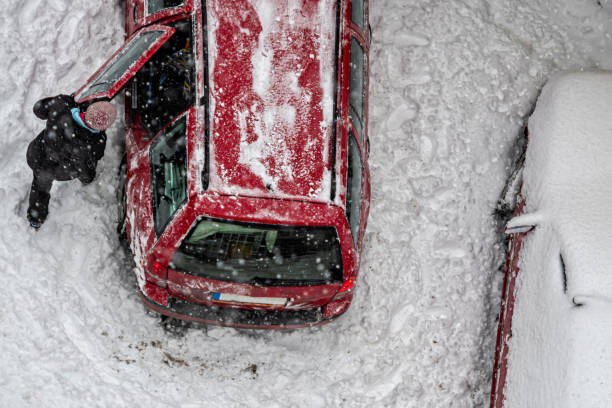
<point>451,85</point>
<point>567,175</point>
<point>560,353</point>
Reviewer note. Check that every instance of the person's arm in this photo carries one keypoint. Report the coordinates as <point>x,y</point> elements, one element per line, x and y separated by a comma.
<point>41,108</point>
<point>98,149</point>
<point>87,159</point>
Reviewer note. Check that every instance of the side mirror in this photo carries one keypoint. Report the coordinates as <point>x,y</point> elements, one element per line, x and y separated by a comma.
<point>522,223</point>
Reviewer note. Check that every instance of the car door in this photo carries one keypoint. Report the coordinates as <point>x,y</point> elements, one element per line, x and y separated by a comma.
<point>504,330</point>
<point>107,81</point>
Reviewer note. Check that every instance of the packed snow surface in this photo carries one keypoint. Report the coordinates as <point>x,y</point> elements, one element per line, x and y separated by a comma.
<point>451,86</point>
<point>560,351</point>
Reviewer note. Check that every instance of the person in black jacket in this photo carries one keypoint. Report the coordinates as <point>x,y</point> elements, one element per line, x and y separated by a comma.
<point>68,148</point>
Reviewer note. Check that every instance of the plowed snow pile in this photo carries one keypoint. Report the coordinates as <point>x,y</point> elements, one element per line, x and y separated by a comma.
<point>451,84</point>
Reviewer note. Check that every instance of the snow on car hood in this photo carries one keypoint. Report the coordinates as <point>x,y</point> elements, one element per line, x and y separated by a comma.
<point>271,83</point>
<point>559,353</point>
<point>568,175</point>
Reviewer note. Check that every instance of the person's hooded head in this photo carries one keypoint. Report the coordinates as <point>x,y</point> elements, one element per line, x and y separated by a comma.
<point>100,115</point>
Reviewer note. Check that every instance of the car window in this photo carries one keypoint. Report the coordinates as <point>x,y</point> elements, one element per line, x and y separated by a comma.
<point>357,87</point>
<point>153,6</point>
<point>358,14</point>
<point>168,160</point>
<point>264,254</point>
<point>353,187</point>
<point>165,86</point>
<point>128,56</point>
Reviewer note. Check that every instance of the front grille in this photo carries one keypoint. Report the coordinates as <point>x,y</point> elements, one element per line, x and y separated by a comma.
<point>244,316</point>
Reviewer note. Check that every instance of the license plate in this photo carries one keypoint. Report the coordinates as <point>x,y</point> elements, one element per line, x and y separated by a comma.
<point>248,300</point>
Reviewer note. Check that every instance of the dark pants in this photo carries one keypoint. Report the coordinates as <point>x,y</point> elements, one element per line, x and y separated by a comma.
<point>39,197</point>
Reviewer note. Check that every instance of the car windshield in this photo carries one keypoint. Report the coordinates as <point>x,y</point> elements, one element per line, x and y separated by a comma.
<point>262,254</point>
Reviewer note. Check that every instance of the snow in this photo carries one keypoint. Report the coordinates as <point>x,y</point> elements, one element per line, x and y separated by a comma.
<point>564,348</point>
<point>421,331</point>
<point>567,174</point>
<point>273,110</point>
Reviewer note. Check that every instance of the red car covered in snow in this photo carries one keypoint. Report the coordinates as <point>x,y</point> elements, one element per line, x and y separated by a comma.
<point>247,185</point>
<point>555,324</point>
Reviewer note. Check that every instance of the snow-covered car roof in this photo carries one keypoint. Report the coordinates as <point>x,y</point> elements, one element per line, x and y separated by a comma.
<point>271,72</point>
<point>568,175</point>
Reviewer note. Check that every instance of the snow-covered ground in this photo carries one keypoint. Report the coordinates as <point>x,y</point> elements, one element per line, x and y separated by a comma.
<point>451,84</point>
